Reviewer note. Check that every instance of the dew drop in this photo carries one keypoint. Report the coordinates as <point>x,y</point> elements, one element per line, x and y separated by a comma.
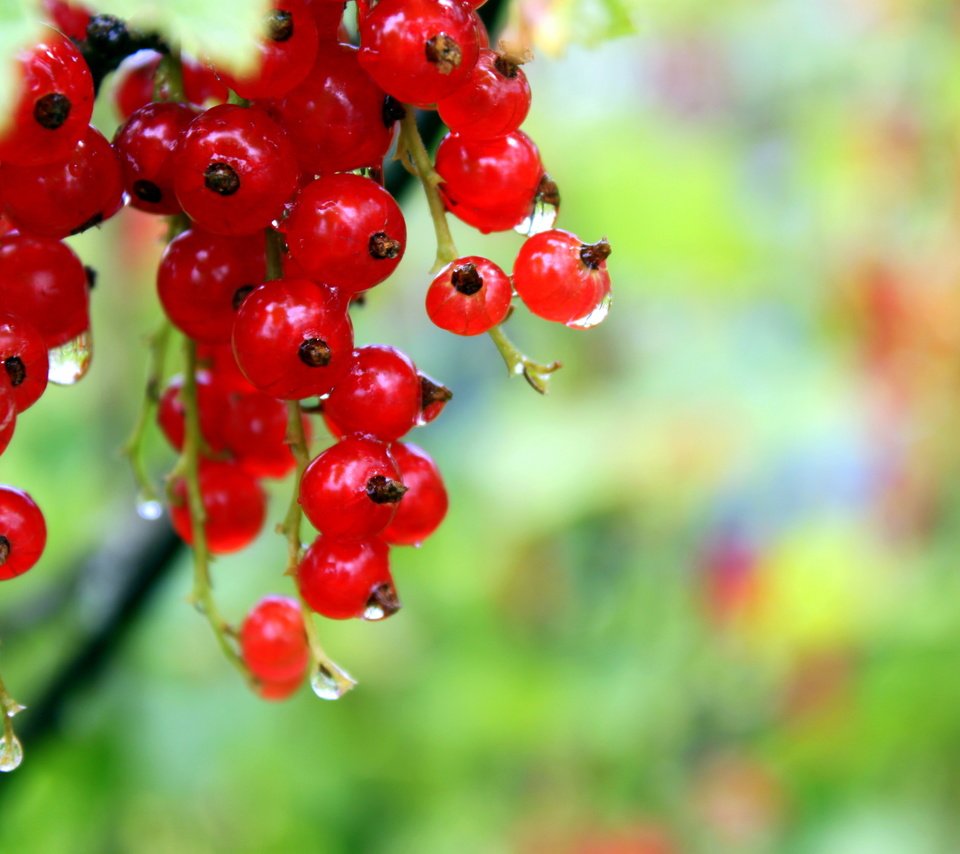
<point>541,218</point>
<point>330,681</point>
<point>11,753</point>
<point>595,317</point>
<point>149,508</point>
<point>70,362</point>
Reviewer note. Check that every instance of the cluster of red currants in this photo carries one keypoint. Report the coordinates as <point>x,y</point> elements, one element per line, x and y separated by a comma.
<point>281,223</point>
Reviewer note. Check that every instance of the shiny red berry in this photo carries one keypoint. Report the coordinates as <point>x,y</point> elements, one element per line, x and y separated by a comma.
<point>70,18</point>
<point>136,81</point>
<point>292,338</point>
<point>352,489</point>
<point>275,691</point>
<point>234,169</point>
<point>346,231</point>
<point>23,532</point>
<point>273,640</point>
<point>341,579</point>
<point>8,414</point>
<point>424,504</point>
<point>561,278</point>
<point>233,502</point>
<point>469,296</point>
<point>492,102</point>
<point>255,432</point>
<point>23,359</point>
<point>219,360</point>
<point>212,402</point>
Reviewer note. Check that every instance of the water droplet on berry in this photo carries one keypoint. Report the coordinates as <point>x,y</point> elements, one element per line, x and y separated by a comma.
<point>70,362</point>
<point>330,681</point>
<point>542,218</point>
<point>11,753</point>
<point>149,508</point>
<point>595,317</point>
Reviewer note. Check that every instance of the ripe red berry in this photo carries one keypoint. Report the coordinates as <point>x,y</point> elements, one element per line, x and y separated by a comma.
<point>8,414</point>
<point>292,338</point>
<point>425,503</point>
<point>233,502</point>
<point>379,394</point>
<point>419,50</point>
<point>469,296</point>
<point>352,489</point>
<point>336,118</point>
<point>273,640</point>
<point>255,432</point>
<point>219,360</point>
<point>54,105</point>
<point>212,403</point>
<point>234,169</point>
<point>493,101</point>
<point>204,278</point>
<point>560,278</point>
<point>67,196</point>
<point>23,358</point>
<point>341,579</point>
<point>70,18</point>
<point>46,283</point>
<point>145,145</point>
<point>135,82</point>
<point>23,532</point>
<point>346,231</point>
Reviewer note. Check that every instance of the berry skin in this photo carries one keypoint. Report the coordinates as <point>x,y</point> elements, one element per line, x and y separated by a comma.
<point>346,231</point>
<point>23,532</point>
<point>273,641</point>
<point>494,100</point>
<point>559,277</point>
<point>335,118</point>
<point>469,296</point>
<point>233,502</point>
<point>135,82</point>
<point>70,18</point>
<point>54,106</point>
<point>220,361</point>
<point>419,50</point>
<point>23,361</point>
<point>275,691</point>
<point>234,168</point>
<point>489,184</point>
<point>425,503</point>
<point>203,279</point>
<point>47,284</point>
<point>213,405</point>
<point>352,489</point>
<point>379,394</point>
<point>145,145</point>
<point>255,432</point>
<point>292,338</point>
<point>8,414</point>
<point>343,579</point>
<point>68,196</point>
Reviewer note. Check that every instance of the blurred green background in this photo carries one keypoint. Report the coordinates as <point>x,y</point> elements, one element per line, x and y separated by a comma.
<point>702,597</point>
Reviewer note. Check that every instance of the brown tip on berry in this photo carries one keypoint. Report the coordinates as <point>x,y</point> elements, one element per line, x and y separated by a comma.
<point>315,353</point>
<point>594,254</point>
<point>91,275</point>
<point>52,110</point>
<point>147,191</point>
<point>383,601</point>
<point>4,549</point>
<point>383,490</point>
<point>444,52</point>
<point>548,192</point>
<point>506,65</point>
<point>240,294</point>
<point>431,392</point>
<point>392,111</point>
<point>466,279</point>
<point>279,25</point>
<point>221,178</point>
<point>96,219</point>
<point>382,246</point>
<point>16,370</point>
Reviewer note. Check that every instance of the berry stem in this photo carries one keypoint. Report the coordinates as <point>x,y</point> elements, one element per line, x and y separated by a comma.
<point>168,83</point>
<point>321,661</point>
<point>274,254</point>
<point>8,707</point>
<point>519,364</point>
<point>290,527</point>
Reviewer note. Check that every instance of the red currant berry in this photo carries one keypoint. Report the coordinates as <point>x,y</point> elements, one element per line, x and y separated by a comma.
<point>219,360</point>
<point>292,338</point>
<point>255,431</point>
<point>469,296</point>
<point>23,357</point>
<point>493,101</point>
<point>343,579</point>
<point>560,278</point>
<point>234,169</point>
<point>346,231</point>
<point>336,117</point>
<point>425,503</point>
<point>379,394</point>
<point>328,19</point>
<point>54,106</point>
<point>275,691</point>
<point>212,402</point>
<point>47,285</point>
<point>145,145</point>
<point>352,489</point>
<point>489,184</point>
<point>419,50</point>
<point>273,640</point>
<point>433,398</point>
<point>136,80</point>
<point>204,278</point>
<point>65,197</point>
<point>70,18</point>
<point>23,532</point>
<point>233,503</point>
<point>8,414</point>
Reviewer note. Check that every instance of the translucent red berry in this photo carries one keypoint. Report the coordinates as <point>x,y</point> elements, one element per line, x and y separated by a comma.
<point>212,403</point>
<point>70,18</point>
<point>425,503</point>
<point>341,579</point>
<point>8,414</point>
<point>469,296</point>
<point>23,532</point>
<point>273,640</point>
<point>255,432</point>
<point>23,361</point>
